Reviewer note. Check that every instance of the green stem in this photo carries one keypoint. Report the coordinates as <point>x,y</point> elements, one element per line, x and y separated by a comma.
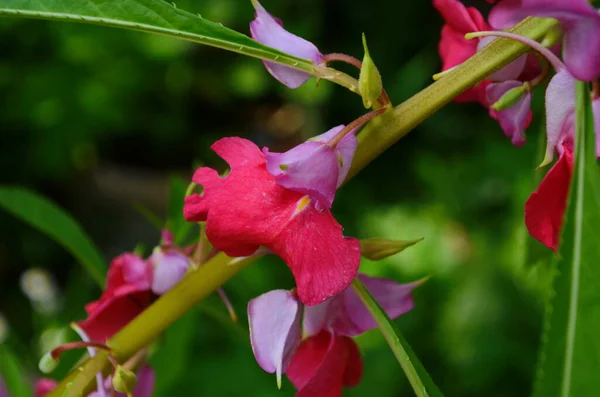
<point>383,132</point>
<point>401,349</point>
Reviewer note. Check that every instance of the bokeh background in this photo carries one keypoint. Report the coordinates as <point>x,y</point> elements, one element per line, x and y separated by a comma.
<point>109,124</point>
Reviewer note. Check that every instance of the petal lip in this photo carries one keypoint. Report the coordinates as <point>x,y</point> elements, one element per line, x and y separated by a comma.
<point>170,267</point>
<point>515,119</point>
<point>274,320</point>
<point>269,31</point>
<point>560,111</point>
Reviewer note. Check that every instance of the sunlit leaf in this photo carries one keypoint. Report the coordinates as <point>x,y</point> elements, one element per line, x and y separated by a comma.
<point>52,220</point>
<point>570,356</point>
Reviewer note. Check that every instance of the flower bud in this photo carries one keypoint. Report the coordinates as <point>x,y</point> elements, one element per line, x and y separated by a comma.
<point>369,81</point>
<point>510,98</point>
<point>124,380</point>
<point>47,363</point>
<point>377,248</point>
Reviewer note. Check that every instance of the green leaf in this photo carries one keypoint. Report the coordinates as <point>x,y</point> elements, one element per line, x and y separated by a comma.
<point>418,377</point>
<point>570,356</point>
<point>176,223</point>
<point>162,17</point>
<point>12,374</point>
<point>52,220</point>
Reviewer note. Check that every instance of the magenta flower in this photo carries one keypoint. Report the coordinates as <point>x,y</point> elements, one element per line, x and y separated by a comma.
<point>269,31</point>
<point>515,119</point>
<point>581,24</point>
<point>314,168</point>
<point>248,208</point>
<point>328,358</point>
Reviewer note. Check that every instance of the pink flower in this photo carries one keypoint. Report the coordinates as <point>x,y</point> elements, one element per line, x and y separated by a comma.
<point>126,295</point>
<point>269,31</point>
<point>515,119</point>
<point>581,24</point>
<point>328,359</point>
<point>545,208</point>
<point>313,167</point>
<point>248,208</point>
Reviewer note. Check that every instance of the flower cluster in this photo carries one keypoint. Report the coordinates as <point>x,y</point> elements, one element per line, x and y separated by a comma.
<point>580,27</point>
<point>326,359</point>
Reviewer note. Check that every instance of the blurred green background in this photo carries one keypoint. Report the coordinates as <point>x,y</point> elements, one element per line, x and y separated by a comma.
<point>102,120</point>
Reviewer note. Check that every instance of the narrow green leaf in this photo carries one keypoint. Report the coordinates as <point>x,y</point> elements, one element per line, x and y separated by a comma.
<point>12,374</point>
<point>418,377</point>
<point>162,17</point>
<point>52,220</point>
<point>570,357</point>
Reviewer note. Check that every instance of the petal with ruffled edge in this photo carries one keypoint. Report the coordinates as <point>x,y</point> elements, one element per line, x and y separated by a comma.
<point>274,320</point>
<point>545,208</point>
<point>323,364</point>
<point>515,119</point>
<point>247,209</point>
<point>169,268</point>
<point>581,23</point>
<point>560,112</point>
<point>269,31</point>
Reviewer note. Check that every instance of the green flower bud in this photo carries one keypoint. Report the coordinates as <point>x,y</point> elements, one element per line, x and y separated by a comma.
<point>369,81</point>
<point>124,380</point>
<point>510,97</point>
<point>377,248</point>
<point>48,363</point>
<point>553,36</point>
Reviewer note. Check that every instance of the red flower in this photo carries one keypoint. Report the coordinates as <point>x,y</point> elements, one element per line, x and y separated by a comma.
<point>454,49</point>
<point>128,292</point>
<point>545,208</point>
<point>247,209</point>
<point>323,364</point>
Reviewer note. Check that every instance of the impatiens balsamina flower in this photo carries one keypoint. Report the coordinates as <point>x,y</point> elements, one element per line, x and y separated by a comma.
<point>132,284</point>
<point>249,208</point>
<point>454,49</point>
<point>328,359</point>
<point>314,168</point>
<point>580,22</point>
<point>269,31</point>
<point>545,208</point>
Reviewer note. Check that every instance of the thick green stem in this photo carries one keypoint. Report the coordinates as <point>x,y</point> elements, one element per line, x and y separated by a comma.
<point>401,349</point>
<point>153,321</point>
<point>383,132</point>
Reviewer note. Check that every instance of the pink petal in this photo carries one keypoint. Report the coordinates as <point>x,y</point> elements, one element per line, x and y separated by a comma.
<point>511,71</point>
<point>345,150</point>
<point>580,50</point>
<point>560,111</point>
<point>274,320</point>
<point>319,317</point>
<point>136,271</point>
<point>269,31</point>
<point>545,208</point>
<point>516,118</point>
<point>42,387</point>
<point>145,382</point>
<point>323,261</point>
<point>323,364</point>
<point>169,268</point>
<point>596,112</point>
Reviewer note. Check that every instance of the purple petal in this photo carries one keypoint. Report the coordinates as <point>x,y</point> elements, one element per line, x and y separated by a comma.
<point>269,31</point>
<point>510,71</point>
<point>345,150</point>
<point>145,382</point>
<point>137,271</point>
<point>317,317</point>
<point>580,21</point>
<point>169,268</point>
<point>560,111</point>
<point>394,298</point>
<point>274,320</point>
<point>311,168</point>
<point>514,119</point>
